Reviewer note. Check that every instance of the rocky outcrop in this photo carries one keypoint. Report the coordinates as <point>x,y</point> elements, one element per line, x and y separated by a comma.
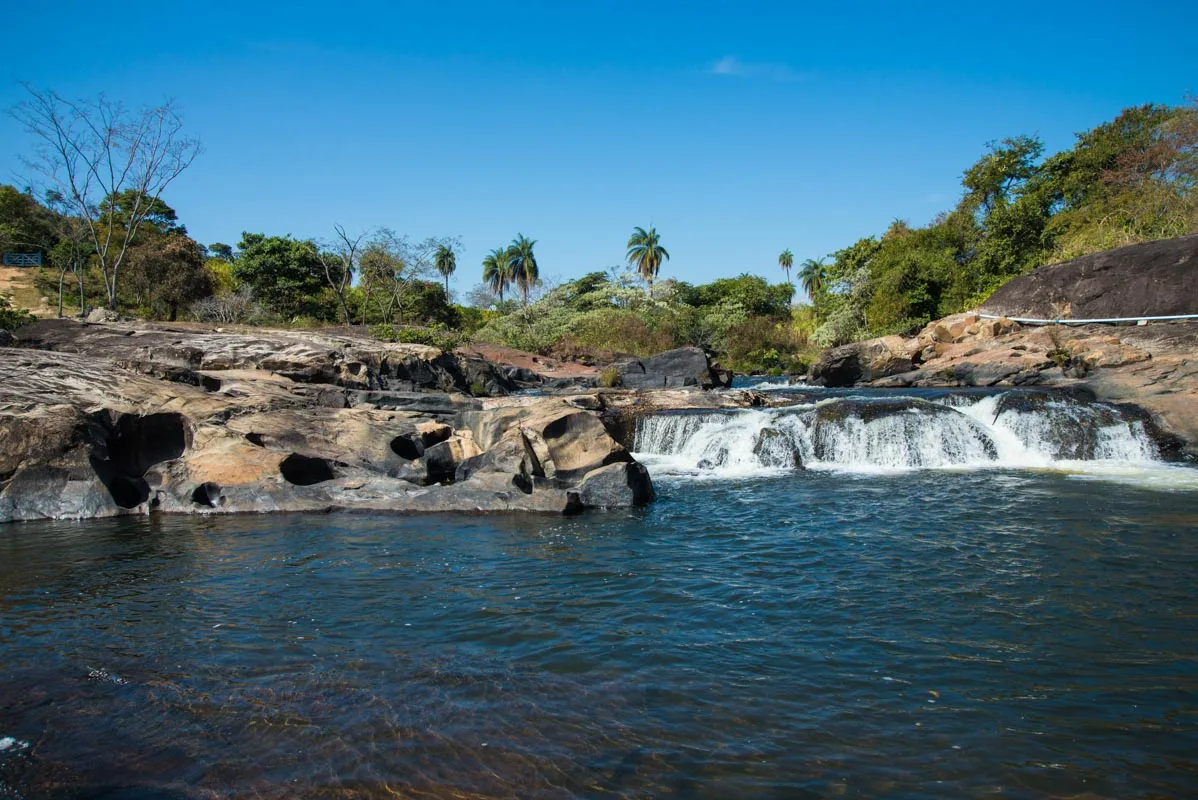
<point>673,369</point>
<point>125,421</point>
<point>1153,366</point>
<point>183,355</point>
<point>1153,279</point>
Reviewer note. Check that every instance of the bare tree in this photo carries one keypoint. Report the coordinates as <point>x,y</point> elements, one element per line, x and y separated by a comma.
<point>91,151</point>
<point>393,264</point>
<point>340,260</point>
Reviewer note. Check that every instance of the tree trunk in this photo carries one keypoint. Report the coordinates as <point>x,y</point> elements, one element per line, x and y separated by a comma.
<point>82,298</point>
<point>62,279</point>
<point>366,302</point>
<point>111,288</point>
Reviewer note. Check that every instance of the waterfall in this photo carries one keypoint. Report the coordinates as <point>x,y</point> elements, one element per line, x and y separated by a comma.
<point>1017,429</point>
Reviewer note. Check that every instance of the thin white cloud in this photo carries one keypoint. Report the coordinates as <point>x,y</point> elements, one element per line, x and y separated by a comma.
<point>734,67</point>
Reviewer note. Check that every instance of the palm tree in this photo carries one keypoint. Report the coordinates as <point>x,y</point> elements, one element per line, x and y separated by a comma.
<point>522,264</point>
<point>446,262</point>
<point>786,260</point>
<point>646,254</point>
<point>497,270</point>
<point>813,275</point>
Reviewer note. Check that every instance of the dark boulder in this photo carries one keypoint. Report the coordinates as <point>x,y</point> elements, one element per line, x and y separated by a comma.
<point>617,486</point>
<point>1152,279</point>
<point>838,366</point>
<point>862,361</point>
<point>685,366</point>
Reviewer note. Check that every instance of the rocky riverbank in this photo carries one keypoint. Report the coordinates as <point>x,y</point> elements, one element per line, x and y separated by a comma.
<point>105,419</point>
<point>1154,366</point>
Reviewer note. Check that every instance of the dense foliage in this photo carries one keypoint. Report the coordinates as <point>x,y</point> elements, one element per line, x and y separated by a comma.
<point>603,314</point>
<point>1130,180</point>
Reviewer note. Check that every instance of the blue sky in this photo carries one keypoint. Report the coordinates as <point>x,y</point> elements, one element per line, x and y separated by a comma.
<point>738,129</point>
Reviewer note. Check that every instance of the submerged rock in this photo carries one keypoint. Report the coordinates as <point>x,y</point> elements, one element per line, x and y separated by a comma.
<point>774,448</point>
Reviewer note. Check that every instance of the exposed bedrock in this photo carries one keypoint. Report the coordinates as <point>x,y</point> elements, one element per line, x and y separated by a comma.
<point>1152,279</point>
<point>85,436</point>
<point>201,358</point>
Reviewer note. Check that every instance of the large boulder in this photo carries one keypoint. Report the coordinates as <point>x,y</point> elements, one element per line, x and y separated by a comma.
<point>617,486</point>
<point>685,366</point>
<point>1152,279</point>
<point>862,361</point>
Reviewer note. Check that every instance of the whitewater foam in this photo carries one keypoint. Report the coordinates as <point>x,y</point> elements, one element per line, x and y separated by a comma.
<point>1012,430</point>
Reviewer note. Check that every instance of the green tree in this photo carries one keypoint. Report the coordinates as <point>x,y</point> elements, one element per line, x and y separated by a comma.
<point>446,263</point>
<point>497,273</point>
<point>646,254</point>
<point>523,265</point>
<point>26,225</point>
<point>286,274</point>
<point>166,273</point>
<point>222,251</point>
<point>786,260</point>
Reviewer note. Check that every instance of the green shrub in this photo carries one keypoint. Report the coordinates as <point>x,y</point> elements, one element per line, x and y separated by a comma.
<point>12,318</point>
<point>433,337</point>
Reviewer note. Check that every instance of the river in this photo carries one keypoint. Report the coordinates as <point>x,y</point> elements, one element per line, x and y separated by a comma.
<point>1013,628</point>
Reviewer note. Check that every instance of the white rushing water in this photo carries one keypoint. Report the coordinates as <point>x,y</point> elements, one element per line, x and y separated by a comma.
<point>1014,430</point>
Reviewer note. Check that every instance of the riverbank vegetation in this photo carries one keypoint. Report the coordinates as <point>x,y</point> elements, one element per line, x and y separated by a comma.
<point>1132,179</point>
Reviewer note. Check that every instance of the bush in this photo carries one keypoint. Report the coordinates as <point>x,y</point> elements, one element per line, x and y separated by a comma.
<point>760,344</point>
<point>433,337</point>
<point>620,331</point>
<point>12,318</point>
<point>229,309</point>
<point>609,378</point>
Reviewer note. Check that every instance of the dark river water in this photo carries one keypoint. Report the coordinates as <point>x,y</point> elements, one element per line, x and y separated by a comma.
<point>947,634</point>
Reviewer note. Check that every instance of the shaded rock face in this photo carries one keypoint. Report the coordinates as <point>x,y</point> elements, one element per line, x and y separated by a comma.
<point>63,461</point>
<point>673,369</point>
<point>83,436</point>
<point>1152,279</point>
